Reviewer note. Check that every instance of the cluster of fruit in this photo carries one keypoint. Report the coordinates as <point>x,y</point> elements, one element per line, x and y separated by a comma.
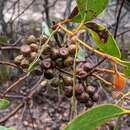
<point>56,56</point>
<point>87,95</point>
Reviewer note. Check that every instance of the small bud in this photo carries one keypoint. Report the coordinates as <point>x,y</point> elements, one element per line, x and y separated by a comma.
<point>46,63</point>
<point>83,98</point>
<point>55,82</point>
<point>68,61</point>
<point>54,53</point>
<point>59,62</point>
<point>79,90</point>
<point>31,39</point>
<point>72,49</point>
<point>37,71</point>
<point>25,49</point>
<point>49,74</point>
<point>91,90</point>
<point>67,80</point>
<point>33,55</point>
<point>44,83</point>
<point>95,97</point>
<point>34,47</point>
<point>18,59</point>
<point>89,103</point>
<point>63,52</point>
<point>68,90</point>
<point>24,63</point>
<point>43,39</point>
<point>87,66</point>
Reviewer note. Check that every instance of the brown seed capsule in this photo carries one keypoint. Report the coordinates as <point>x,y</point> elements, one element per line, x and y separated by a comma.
<point>33,55</point>
<point>89,103</point>
<point>37,71</point>
<point>49,74</point>
<point>79,90</point>
<point>55,82</point>
<point>54,53</point>
<point>67,80</point>
<point>87,67</point>
<point>46,63</point>
<point>63,52</point>
<point>24,63</point>
<point>31,39</point>
<point>72,49</point>
<point>83,98</point>
<point>68,91</point>
<point>81,72</point>
<point>25,49</point>
<point>46,49</point>
<point>18,59</point>
<point>43,39</point>
<point>95,97</point>
<point>34,47</point>
<point>91,90</point>
<point>59,62</point>
<point>68,61</point>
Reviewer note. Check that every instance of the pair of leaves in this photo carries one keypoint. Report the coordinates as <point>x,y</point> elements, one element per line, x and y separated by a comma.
<point>4,104</point>
<point>87,10</point>
<point>95,117</point>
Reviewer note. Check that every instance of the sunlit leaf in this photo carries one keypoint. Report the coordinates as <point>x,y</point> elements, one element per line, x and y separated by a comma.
<point>95,117</point>
<point>103,39</point>
<point>4,104</point>
<point>88,9</point>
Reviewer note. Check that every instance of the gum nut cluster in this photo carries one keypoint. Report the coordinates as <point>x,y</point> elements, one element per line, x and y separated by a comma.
<point>54,56</point>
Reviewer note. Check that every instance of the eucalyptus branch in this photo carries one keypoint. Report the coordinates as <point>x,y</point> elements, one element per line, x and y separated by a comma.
<point>8,63</point>
<point>9,48</point>
<point>101,79</point>
<point>15,84</point>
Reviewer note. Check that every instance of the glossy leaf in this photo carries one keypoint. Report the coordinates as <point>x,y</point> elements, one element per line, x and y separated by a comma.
<point>95,117</point>
<point>103,39</point>
<point>88,9</point>
<point>4,104</point>
<point>4,128</point>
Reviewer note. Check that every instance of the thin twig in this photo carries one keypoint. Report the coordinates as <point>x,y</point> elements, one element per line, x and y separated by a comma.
<point>15,84</point>
<point>122,33</point>
<point>8,63</point>
<point>4,119</point>
<point>24,101</point>
<point>101,79</point>
<point>118,18</point>
<point>9,48</point>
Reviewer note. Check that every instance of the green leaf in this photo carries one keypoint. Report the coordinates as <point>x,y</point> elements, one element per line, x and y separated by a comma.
<point>95,117</point>
<point>81,54</point>
<point>103,39</point>
<point>4,104</point>
<point>89,9</point>
<point>4,128</point>
<point>45,29</point>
